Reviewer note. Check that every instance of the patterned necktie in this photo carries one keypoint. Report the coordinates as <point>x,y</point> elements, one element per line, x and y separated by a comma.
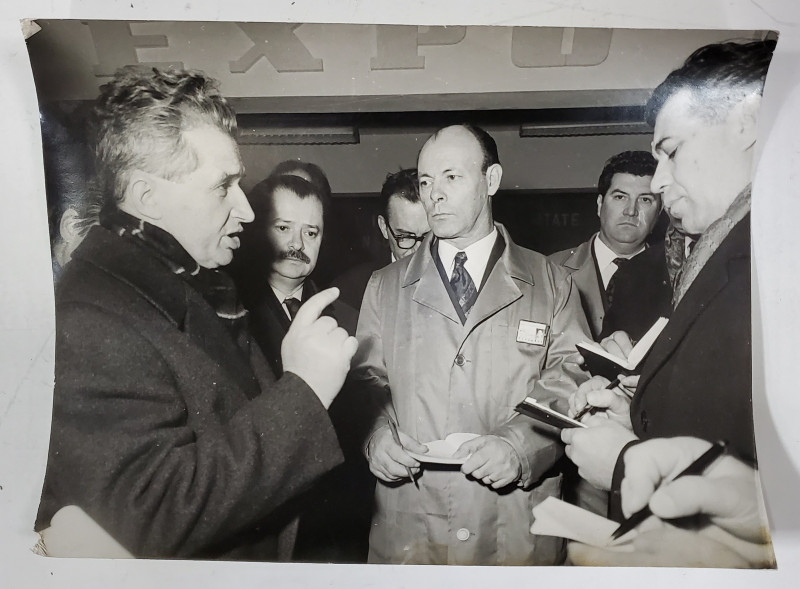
<point>462,284</point>
<point>293,305</point>
<point>612,283</point>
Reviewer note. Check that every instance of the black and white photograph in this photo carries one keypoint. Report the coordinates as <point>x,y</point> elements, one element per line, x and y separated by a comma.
<point>405,293</point>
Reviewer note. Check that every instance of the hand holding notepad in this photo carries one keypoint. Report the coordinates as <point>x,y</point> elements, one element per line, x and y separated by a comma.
<point>600,361</point>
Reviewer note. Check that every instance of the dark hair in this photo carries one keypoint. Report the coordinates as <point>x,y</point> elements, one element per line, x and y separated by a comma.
<point>139,121</point>
<point>485,141</point>
<point>638,163</point>
<point>315,174</point>
<point>260,196</point>
<point>719,76</point>
<point>403,184</point>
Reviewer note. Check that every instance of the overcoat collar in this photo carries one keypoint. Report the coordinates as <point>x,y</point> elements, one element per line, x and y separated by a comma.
<point>585,277</point>
<point>185,308</point>
<point>132,264</point>
<point>580,256</point>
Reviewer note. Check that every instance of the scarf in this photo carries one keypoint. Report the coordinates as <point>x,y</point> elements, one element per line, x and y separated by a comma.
<point>215,286</point>
<point>708,243</point>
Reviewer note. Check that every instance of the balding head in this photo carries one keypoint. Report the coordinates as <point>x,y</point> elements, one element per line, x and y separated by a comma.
<point>455,185</point>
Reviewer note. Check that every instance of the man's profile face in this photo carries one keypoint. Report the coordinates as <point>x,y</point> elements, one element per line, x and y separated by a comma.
<point>702,164</point>
<point>205,209</point>
<point>294,231</point>
<point>453,188</point>
<point>406,219</point>
<point>628,212</point>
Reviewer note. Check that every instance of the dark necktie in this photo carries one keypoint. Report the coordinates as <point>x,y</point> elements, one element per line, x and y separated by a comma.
<point>293,305</point>
<point>462,284</point>
<point>612,283</point>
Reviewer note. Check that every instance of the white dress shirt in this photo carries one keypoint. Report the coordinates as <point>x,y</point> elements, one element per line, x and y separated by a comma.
<point>477,257</point>
<point>296,293</point>
<point>605,259</point>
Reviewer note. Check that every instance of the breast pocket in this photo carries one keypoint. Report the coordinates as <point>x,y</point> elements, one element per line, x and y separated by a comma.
<point>516,363</point>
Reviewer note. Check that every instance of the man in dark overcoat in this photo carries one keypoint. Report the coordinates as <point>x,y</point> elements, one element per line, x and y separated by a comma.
<point>169,429</point>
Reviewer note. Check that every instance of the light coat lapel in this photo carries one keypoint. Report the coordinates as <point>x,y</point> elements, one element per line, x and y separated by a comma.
<point>500,289</point>
<point>423,276</point>
<point>584,276</point>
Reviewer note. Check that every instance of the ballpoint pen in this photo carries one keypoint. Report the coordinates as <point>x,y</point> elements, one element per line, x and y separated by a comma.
<point>695,468</point>
<point>396,438</point>
<point>588,407</point>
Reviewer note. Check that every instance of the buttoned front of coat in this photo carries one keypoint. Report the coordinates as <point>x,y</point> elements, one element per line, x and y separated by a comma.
<point>444,377</point>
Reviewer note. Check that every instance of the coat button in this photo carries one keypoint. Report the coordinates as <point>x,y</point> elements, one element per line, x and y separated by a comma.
<point>460,362</point>
<point>463,534</point>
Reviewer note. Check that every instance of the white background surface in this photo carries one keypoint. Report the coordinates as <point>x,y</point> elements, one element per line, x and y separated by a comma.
<point>26,299</point>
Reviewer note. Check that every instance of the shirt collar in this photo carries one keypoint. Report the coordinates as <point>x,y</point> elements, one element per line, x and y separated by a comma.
<point>282,296</point>
<point>297,293</point>
<point>477,256</point>
<point>605,255</point>
<point>605,259</point>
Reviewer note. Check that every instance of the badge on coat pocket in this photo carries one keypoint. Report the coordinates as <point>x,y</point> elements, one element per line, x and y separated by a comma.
<point>531,332</point>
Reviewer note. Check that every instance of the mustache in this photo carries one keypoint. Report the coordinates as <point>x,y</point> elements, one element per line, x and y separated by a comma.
<point>293,254</point>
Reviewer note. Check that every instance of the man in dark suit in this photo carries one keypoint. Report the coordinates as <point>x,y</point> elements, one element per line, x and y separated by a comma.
<point>696,380</point>
<point>624,284</point>
<point>279,252</point>
<point>169,429</point>
<point>403,224</point>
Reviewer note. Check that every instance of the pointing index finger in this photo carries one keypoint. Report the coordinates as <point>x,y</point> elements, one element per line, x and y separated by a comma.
<point>313,307</point>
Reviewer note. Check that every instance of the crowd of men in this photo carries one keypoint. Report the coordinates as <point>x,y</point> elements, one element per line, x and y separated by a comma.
<point>211,401</point>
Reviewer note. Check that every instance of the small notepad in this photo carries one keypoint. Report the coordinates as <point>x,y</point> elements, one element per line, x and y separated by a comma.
<point>553,517</point>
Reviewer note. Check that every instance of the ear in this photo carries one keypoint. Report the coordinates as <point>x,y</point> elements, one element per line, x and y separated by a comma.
<point>141,197</point>
<point>68,226</point>
<point>746,120</point>
<point>599,203</point>
<point>382,227</point>
<point>493,176</point>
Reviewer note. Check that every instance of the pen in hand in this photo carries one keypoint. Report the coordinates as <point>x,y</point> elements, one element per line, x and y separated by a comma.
<point>396,438</point>
<point>695,468</point>
<point>588,407</point>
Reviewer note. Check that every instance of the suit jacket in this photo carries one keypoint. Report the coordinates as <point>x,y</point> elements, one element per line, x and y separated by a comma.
<point>269,322</point>
<point>579,263</point>
<point>164,431</point>
<point>697,379</point>
<point>440,376</point>
<point>642,292</point>
<point>333,525</point>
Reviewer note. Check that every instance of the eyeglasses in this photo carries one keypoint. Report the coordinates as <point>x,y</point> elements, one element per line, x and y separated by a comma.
<point>405,241</point>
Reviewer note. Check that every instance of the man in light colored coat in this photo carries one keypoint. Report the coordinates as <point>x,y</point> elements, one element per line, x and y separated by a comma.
<point>449,346</point>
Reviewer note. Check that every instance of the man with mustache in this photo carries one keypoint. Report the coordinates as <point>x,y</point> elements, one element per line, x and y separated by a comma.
<point>169,429</point>
<point>623,284</point>
<point>451,338</point>
<point>279,252</point>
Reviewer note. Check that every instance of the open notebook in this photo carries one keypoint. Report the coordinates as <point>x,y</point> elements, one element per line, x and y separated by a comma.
<point>599,361</point>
